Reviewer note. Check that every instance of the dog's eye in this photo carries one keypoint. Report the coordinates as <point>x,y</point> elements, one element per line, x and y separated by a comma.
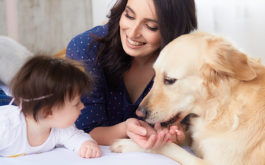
<point>169,81</point>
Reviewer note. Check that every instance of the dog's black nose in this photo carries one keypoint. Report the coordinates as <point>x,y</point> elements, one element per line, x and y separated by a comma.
<point>142,112</point>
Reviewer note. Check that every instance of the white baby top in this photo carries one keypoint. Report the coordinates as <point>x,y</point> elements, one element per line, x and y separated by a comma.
<point>13,135</point>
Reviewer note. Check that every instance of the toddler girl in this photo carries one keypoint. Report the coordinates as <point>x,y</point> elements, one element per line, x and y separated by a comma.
<point>48,92</point>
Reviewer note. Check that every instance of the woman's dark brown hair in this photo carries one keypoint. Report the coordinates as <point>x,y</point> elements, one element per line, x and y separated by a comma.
<point>175,17</point>
<point>44,82</point>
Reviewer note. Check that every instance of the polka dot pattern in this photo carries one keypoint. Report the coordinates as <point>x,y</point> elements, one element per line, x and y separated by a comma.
<point>104,106</point>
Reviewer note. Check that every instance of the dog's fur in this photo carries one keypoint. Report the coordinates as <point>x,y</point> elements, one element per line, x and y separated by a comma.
<point>223,87</point>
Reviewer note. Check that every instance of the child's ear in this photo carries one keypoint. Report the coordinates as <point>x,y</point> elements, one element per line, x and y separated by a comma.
<point>46,112</point>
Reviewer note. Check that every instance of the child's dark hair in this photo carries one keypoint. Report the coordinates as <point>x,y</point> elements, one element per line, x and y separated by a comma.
<point>44,82</point>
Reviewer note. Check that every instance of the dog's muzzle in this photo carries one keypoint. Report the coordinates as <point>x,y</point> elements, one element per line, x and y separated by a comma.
<point>142,113</point>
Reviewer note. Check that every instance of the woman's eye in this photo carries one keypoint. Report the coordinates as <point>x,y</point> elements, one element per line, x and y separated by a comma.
<point>128,16</point>
<point>152,28</point>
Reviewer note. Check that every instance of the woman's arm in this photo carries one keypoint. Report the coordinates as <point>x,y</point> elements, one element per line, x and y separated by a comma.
<point>139,131</point>
<point>107,135</point>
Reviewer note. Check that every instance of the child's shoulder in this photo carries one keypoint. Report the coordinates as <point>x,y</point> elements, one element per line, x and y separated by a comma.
<point>10,117</point>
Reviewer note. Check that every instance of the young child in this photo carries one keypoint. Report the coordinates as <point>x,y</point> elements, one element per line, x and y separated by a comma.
<point>48,92</point>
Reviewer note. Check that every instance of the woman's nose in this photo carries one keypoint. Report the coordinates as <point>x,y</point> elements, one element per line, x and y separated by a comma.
<point>135,31</point>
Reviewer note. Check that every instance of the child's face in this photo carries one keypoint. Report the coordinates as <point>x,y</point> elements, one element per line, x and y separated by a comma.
<point>65,115</point>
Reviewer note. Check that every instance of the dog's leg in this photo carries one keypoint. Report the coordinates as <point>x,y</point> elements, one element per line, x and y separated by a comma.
<point>170,150</point>
<point>180,155</point>
<point>126,145</point>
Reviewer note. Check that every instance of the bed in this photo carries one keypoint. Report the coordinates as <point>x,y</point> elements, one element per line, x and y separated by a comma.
<point>63,156</point>
<point>240,20</point>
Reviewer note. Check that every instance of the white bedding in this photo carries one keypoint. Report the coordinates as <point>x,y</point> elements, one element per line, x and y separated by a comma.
<point>62,156</point>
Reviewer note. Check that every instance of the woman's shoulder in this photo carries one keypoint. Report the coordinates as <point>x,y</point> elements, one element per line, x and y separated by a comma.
<point>87,36</point>
<point>80,48</point>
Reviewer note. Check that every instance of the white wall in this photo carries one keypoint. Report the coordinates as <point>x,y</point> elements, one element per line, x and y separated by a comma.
<point>241,21</point>
<point>100,9</point>
<point>44,26</point>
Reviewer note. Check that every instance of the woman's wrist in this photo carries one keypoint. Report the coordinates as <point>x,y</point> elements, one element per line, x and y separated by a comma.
<point>122,129</point>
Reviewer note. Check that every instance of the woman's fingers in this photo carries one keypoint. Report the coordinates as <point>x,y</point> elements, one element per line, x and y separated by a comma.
<point>158,126</point>
<point>134,126</point>
<point>150,142</point>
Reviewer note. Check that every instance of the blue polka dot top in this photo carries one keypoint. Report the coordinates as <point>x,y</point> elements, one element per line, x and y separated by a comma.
<point>104,106</point>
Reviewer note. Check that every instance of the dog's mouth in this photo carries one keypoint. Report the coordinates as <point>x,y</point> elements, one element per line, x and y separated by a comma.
<point>184,119</point>
<point>171,120</point>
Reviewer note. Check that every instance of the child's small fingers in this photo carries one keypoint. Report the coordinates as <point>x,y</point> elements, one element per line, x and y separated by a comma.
<point>88,153</point>
<point>98,154</point>
<point>83,152</point>
<point>94,153</point>
<point>99,151</point>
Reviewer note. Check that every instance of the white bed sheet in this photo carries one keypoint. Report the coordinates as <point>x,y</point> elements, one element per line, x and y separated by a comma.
<point>63,156</point>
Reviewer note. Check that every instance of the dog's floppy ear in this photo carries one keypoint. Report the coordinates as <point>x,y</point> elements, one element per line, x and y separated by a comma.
<point>226,61</point>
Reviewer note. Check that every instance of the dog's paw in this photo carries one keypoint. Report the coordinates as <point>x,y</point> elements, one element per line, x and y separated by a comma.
<point>116,146</point>
<point>125,145</point>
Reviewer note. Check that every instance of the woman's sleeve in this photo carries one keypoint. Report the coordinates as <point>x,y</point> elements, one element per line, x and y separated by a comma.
<point>94,114</point>
<point>4,99</point>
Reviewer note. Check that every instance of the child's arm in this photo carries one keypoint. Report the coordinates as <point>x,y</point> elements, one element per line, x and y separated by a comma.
<point>80,142</point>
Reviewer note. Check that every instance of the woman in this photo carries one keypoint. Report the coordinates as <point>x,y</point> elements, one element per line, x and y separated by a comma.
<point>120,55</point>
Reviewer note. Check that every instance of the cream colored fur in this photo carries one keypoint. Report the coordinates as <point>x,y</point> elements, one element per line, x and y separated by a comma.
<point>220,84</point>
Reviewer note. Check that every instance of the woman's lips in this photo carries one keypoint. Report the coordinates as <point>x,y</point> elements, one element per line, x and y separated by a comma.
<point>134,44</point>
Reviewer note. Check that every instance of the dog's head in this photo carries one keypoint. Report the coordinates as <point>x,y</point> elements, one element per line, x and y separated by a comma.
<point>190,71</point>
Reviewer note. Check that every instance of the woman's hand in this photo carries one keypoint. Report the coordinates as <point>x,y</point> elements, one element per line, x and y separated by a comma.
<point>150,138</point>
<point>144,135</point>
<point>175,133</point>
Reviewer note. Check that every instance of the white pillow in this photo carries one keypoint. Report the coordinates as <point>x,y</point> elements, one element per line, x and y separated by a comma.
<point>12,56</point>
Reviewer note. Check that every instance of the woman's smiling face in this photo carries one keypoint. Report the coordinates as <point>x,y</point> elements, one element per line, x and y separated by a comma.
<point>139,30</point>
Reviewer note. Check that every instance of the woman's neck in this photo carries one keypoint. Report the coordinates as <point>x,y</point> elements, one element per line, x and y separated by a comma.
<point>145,60</point>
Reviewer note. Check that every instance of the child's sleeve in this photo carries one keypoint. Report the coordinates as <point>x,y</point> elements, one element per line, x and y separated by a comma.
<point>72,138</point>
<point>4,133</point>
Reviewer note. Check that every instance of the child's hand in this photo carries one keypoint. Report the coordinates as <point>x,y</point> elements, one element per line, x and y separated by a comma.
<point>89,149</point>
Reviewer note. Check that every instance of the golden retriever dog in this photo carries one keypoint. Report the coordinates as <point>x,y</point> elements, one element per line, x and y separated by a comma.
<point>204,75</point>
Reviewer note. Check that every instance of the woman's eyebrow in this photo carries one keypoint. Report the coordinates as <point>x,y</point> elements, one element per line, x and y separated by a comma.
<point>129,8</point>
<point>147,19</point>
